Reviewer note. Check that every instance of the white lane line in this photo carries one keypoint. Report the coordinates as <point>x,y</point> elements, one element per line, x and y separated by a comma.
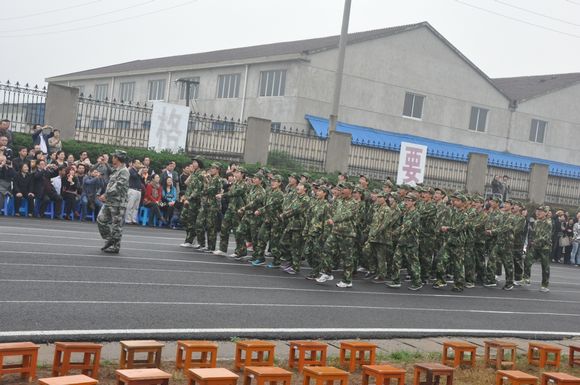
<point>277,331</point>
<point>95,232</point>
<point>282,305</point>
<point>152,270</point>
<point>51,236</point>
<point>285,289</point>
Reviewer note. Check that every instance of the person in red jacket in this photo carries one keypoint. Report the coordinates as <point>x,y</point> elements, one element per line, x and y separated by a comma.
<point>152,199</point>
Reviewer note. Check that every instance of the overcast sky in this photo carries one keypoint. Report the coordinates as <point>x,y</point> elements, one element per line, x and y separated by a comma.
<point>40,38</point>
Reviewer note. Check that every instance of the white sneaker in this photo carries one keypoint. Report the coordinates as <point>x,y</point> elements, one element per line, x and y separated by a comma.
<point>544,289</point>
<point>203,248</point>
<point>186,244</point>
<point>517,283</point>
<point>324,277</point>
<point>233,255</point>
<point>361,270</point>
<point>219,252</point>
<point>196,246</point>
<point>343,284</point>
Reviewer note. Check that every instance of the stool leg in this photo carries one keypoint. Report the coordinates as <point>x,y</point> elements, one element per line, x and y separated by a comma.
<point>56,362</point>
<point>543,357</point>
<point>323,357</point>
<point>342,356</point>
<point>86,363</point>
<point>179,358</point>
<point>238,360</point>
<point>373,356</point>
<point>65,363</point>
<point>445,354</point>
<point>157,356</point>
<point>486,354</point>
<point>365,379</point>
<point>352,362</point>
<point>97,364</point>
<point>123,359</point>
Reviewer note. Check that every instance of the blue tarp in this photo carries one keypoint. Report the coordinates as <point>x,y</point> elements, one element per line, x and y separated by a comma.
<point>371,137</point>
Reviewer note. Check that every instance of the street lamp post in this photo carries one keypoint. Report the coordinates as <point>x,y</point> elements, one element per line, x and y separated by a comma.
<point>188,83</point>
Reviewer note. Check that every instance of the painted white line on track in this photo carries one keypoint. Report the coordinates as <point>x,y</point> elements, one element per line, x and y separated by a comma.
<point>283,305</point>
<point>285,289</point>
<point>276,331</point>
<point>96,240</point>
<point>94,232</point>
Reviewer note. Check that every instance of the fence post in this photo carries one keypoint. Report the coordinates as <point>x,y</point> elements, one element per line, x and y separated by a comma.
<point>538,183</point>
<point>476,173</point>
<point>257,141</point>
<point>337,152</point>
<point>61,109</point>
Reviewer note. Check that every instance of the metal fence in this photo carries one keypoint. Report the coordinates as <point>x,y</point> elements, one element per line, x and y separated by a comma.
<point>563,191</point>
<point>23,105</point>
<point>518,182</point>
<point>297,145</point>
<point>375,162</point>
<point>445,173</point>
<point>217,138</point>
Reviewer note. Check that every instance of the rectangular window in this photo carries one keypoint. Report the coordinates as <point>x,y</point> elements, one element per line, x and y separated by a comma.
<point>272,83</point>
<point>101,91</point>
<point>122,123</point>
<point>478,119</point>
<point>413,107</point>
<point>97,123</point>
<point>156,89</point>
<point>193,84</point>
<point>228,86</point>
<point>126,91</point>
<point>538,130</point>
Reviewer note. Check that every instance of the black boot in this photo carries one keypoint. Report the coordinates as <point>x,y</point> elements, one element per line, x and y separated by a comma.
<point>108,244</point>
<point>114,249</point>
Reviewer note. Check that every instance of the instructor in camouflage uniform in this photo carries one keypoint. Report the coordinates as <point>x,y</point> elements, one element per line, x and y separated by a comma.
<point>110,218</point>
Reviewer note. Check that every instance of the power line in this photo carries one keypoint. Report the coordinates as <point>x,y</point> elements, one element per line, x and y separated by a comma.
<point>36,27</point>
<point>101,24</point>
<point>518,20</point>
<point>50,11</point>
<point>537,13</point>
<point>572,2</point>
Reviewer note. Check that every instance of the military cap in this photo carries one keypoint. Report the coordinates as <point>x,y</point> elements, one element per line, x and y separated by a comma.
<point>411,197</point>
<point>428,189</point>
<point>322,180</point>
<point>346,185</point>
<point>306,175</point>
<point>266,170</point>
<point>440,190</point>
<point>363,176</point>
<point>294,175</point>
<point>359,190</point>
<point>511,202</point>
<point>376,191</point>
<point>278,178</point>
<point>477,198</point>
<point>382,194</point>
<point>405,186</point>
<point>388,182</point>
<point>120,154</point>
<point>259,176</point>
<point>419,189</point>
<point>198,160</point>
<point>216,165</point>
<point>325,189</point>
<point>458,195</point>
<point>543,208</point>
<point>242,170</point>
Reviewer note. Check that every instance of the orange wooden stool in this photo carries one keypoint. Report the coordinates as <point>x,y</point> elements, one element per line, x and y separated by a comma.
<point>266,374</point>
<point>557,378</point>
<point>433,373</point>
<point>324,375</point>
<point>357,350</point>
<point>542,358</point>
<point>29,354</point>
<point>499,360</point>
<point>572,360</point>
<point>130,348</point>
<point>515,377</point>
<point>213,376</point>
<point>245,353</point>
<point>63,351</point>
<point>383,374</point>
<point>460,349</point>
<point>186,349</point>
<point>297,357</point>
<point>142,377</point>
<point>80,379</point>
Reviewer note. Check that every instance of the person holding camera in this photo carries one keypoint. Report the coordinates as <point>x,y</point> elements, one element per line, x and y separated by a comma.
<point>5,149</point>
<point>41,136</point>
<point>44,189</point>
<point>71,190</point>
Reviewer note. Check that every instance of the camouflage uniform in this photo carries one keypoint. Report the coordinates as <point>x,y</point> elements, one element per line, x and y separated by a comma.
<point>408,247</point>
<point>236,199</point>
<point>271,228</point>
<point>376,248</point>
<point>500,224</point>
<point>428,240</point>
<point>296,214</point>
<point>110,218</point>
<point>539,247</point>
<point>519,225</point>
<point>190,212</point>
<point>475,274</point>
<point>250,224</point>
<point>285,239</point>
<point>208,215</point>
<point>454,249</point>
<point>315,234</point>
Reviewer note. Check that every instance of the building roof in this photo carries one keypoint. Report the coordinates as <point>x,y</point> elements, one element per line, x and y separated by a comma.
<point>366,136</point>
<point>527,87</point>
<point>265,50</point>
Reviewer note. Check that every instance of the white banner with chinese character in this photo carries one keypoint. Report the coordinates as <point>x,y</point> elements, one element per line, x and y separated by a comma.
<point>168,126</point>
<point>412,160</point>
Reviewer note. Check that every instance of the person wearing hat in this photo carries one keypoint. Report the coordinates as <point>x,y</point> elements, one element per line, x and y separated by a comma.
<point>340,242</point>
<point>290,195</point>
<point>236,196</point>
<point>316,230</point>
<point>539,247</point>
<point>342,177</point>
<point>427,243</point>
<point>271,228</point>
<point>112,214</point>
<point>295,216</point>
<point>191,201</point>
<point>408,245</point>
<point>520,227</point>
<point>250,223</point>
<point>208,214</point>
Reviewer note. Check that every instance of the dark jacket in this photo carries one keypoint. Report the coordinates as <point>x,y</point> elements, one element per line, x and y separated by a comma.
<point>42,183</point>
<point>23,184</point>
<point>36,137</point>
<point>93,187</point>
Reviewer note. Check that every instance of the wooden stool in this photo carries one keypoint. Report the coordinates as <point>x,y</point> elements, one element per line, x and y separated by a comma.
<point>358,350</point>
<point>214,376</point>
<point>62,364</point>
<point>499,360</point>
<point>266,374</point>
<point>129,348</point>
<point>264,353</point>
<point>80,379</point>
<point>383,374</point>
<point>324,375</point>
<point>557,378</point>
<point>544,350</point>
<point>460,348</point>
<point>185,350</point>
<point>433,373</point>
<point>572,360</point>
<point>29,353</point>
<point>515,377</point>
<point>317,354</point>
<point>142,377</point>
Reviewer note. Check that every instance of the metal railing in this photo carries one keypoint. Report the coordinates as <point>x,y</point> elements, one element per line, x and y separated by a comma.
<point>23,105</point>
<point>444,173</point>
<point>216,137</point>
<point>564,191</point>
<point>374,162</point>
<point>518,182</point>
<point>297,145</point>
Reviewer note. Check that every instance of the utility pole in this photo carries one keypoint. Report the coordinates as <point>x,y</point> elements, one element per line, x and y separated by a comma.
<point>339,67</point>
<point>188,83</point>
